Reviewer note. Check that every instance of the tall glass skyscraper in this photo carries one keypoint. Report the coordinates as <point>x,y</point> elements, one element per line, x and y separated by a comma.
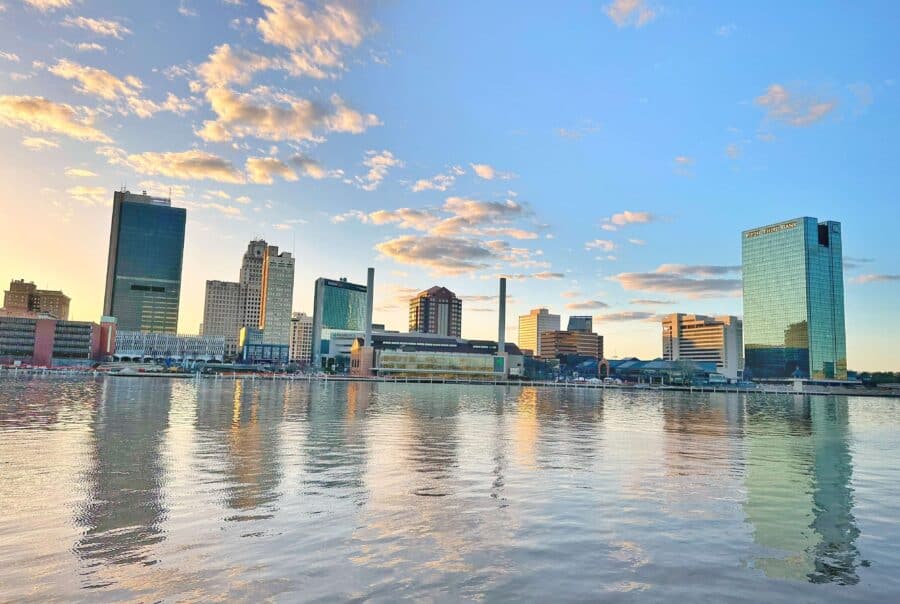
<point>794,300</point>
<point>338,305</point>
<point>143,273</point>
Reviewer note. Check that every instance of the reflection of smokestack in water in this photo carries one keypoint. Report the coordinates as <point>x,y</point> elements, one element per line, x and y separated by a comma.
<point>501,337</point>
<point>370,294</point>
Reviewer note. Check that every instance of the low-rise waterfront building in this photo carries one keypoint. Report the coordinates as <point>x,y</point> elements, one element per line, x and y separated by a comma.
<point>143,347</point>
<point>43,341</point>
<point>416,355</point>
<point>255,350</point>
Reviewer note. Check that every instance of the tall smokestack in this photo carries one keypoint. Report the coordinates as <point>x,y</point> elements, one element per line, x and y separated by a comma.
<point>370,294</point>
<point>501,337</point>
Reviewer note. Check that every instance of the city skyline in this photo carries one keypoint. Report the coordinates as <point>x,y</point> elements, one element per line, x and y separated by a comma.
<point>352,176</point>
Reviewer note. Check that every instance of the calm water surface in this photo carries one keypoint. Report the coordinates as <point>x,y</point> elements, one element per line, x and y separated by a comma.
<point>149,489</point>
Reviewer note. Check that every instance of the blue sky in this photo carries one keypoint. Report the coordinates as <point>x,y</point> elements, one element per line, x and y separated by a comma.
<point>604,154</point>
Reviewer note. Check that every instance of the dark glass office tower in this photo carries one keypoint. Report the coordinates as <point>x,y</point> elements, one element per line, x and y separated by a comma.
<point>143,274</point>
<point>794,300</point>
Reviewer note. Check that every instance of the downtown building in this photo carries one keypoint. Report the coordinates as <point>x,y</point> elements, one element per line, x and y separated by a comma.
<point>580,323</point>
<point>436,310</point>
<point>143,273</point>
<point>703,339</point>
<point>301,338</point>
<point>259,301</point>
<point>22,296</point>
<point>42,340</point>
<point>793,289</point>
<point>222,313</point>
<point>340,309</point>
<point>555,344</point>
<point>531,326</point>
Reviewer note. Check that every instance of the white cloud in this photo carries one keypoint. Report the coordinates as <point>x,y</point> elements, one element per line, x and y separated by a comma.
<point>794,109</point>
<point>79,173</point>
<point>101,27</point>
<point>90,196</point>
<point>48,5</point>
<point>630,12</point>
<point>379,163</point>
<point>9,56</point>
<point>185,165</point>
<point>36,143</point>
<point>600,244</point>
<point>438,182</point>
<point>261,170</point>
<point>488,172</point>
<point>265,114</point>
<point>41,115</point>
<point>100,83</point>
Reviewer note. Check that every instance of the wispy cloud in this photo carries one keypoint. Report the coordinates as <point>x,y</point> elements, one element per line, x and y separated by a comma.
<point>695,281</point>
<point>630,12</point>
<point>875,278</point>
<point>488,172</point>
<point>36,143</point>
<point>793,108</point>
<point>101,27</point>
<point>277,116</point>
<point>626,316</point>
<point>587,305</point>
<point>48,5</point>
<point>600,244</point>
<point>184,165</point>
<point>379,164</point>
<point>41,115</point>
<point>616,221</point>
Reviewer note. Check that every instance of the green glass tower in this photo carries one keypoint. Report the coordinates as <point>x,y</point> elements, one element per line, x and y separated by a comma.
<point>337,305</point>
<point>794,300</point>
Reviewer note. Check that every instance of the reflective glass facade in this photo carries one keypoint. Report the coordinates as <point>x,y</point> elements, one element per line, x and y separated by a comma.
<point>143,281</point>
<point>338,305</point>
<point>794,300</point>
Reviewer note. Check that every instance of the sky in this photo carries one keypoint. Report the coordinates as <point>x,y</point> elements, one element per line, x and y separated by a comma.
<point>605,156</point>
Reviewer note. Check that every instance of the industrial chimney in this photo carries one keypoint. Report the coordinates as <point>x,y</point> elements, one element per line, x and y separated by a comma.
<point>501,337</point>
<point>370,294</point>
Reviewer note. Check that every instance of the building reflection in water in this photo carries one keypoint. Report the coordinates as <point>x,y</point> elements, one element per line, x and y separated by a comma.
<point>248,445</point>
<point>335,445</point>
<point>124,512</point>
<point>799,493</point>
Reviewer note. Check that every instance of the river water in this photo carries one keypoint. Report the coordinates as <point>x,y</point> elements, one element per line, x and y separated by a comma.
<point>154,489</point>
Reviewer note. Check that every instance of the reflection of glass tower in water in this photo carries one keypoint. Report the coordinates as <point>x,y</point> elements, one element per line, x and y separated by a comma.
<point>799,494</point>
<point>124,512</point>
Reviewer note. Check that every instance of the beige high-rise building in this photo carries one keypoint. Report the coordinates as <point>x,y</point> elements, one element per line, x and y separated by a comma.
<point>532,325</point>
<point>222,313</point>
<point>251,282</point>
<point>22,296</point>
<point>301,338</point>
<point>704,339</point>
<point>277,296</point>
